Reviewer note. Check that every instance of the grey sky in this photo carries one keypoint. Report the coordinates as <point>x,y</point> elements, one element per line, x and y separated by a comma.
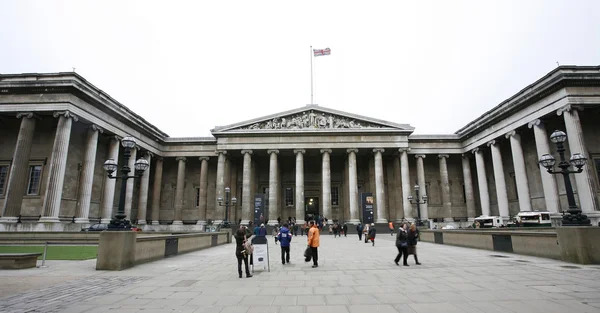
<point>188,66</point>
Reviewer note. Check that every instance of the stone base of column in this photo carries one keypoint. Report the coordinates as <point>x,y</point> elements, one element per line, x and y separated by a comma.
<point>381,221</point>
<point>49,219</point>
<point>300,222</point>
<point>471,219</point>
<point>353,221</point>
<point>272,222</point>
<point>199,222</point>
<point>155,223</point>
<point>141,222</point>
<point>177,223</point>
<point>448,220</point>
<point>217,222</point>
<point>9,219</point>
<point>405,220</point>
<point>246,222</point>
<point>82,220</point>
<point>105,221</point>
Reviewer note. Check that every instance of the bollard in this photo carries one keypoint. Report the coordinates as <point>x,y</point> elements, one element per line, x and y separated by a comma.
<point>44,256</point>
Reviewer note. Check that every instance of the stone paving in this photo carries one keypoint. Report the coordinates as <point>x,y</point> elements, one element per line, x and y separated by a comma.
<point>352,277</point>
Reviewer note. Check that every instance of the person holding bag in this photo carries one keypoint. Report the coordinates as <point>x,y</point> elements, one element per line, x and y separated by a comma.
<point>402,245</point>
<point>242,245</point>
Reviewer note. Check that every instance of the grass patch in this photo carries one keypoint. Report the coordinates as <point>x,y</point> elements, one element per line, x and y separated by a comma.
<point>56,252</point>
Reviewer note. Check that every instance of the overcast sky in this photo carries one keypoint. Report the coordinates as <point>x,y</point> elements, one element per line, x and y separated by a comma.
<point>188,66</point>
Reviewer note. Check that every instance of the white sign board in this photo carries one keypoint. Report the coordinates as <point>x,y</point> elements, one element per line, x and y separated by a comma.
<point>260,256</point>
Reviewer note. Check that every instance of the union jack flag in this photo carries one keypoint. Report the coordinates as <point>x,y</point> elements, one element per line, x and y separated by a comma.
<point>321,52</point>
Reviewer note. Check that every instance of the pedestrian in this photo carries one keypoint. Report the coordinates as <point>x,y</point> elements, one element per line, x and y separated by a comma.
<point>372,233</point>
<point>257,230</point>
<point>262,231</point>
<point>366,232</point>
<point>313,243</point>
<point>279,220</point>
<point>402,245</point>
<point>391,226</point>
<point>345,229</point>
<point>359,230</point>
<point>275,233</point>
<point>413,235</point>
<point>285,238</point>
<point>240,251</point>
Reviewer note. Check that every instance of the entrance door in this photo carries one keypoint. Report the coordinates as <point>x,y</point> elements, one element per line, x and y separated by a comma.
<point>311,207</point>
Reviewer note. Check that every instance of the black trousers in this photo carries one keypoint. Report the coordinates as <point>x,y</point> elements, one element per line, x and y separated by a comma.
<point>401,251</point>
<point>359,235</point>
<point>315,255</point>
<point>285,254</point>
<point>243,257</point>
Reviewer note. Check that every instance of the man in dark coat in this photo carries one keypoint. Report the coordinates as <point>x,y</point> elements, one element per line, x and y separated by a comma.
<point>372,233</point>
<point>285,238</point>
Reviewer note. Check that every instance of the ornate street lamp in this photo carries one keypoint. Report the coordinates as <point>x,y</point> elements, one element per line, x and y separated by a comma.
<point>574,216</point>
<point>119,222</point>
<point>227,203</point>
<point>418,202</point>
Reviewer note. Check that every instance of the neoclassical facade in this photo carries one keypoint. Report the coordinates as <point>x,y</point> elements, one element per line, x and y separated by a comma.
<point>56,131</point>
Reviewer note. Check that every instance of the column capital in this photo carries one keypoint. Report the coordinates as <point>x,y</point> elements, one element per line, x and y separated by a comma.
<point>491,143</point>
<point>158,157</point>
<point>325,150</point>
<point>97,128</point>
<point>512,133</point>
<point>465,155</point>
<point>149,154</point>
<point>67,114</point>
<point>443,156</point>
<point>352,150</point>
<point>378,150</point>
<point>535,122</point>
<point>223,152</point>
<point>404,150</point>
<point>475,150</point>
<point>203,158</point>
<point>420,156</point>
<point>184,159</point>
<point>28,115</point>
<point>273,151</point>
<point>296,151</point>
<point>568,108</point>
<point>247,151</point>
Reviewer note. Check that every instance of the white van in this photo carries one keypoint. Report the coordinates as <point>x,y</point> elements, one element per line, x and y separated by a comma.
<point>489,221</point>
<point>534,219</point>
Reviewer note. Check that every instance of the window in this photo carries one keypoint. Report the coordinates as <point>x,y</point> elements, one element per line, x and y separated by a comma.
<point>3,180</point>
<point>335,195</point>
<point>289,196</point>
<point>197,197</point>
<point>35,176</point>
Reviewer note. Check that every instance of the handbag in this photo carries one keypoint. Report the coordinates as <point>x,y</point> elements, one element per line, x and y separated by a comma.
<point>248,248</point>
<point>403,244</point>
<point>307,254</point>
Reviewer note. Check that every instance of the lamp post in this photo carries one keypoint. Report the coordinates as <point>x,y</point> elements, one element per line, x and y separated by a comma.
<point>119,222</point>
<point>228,201</point>
<point>574,216</point>
<point>418,202</point>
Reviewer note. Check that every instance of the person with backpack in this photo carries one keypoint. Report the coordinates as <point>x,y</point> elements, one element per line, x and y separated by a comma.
<point>285,238</point>
<point>359,230</point>
<point>241,252</point>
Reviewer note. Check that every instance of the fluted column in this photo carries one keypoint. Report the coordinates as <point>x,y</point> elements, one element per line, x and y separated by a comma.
<point>177,220</point>
<point>273,187</point>
<point>422,185</point>
<point>108,195</point>
<point>247,201</point>
<point>130,183</point>
<point>143,196</point>
<point>584,181</point>
<point>87,176</point>
<point>520,171</point>
<point>220,186</point>
<point>156,190</point>
<point>446,200</point>
<point>380,187</point>
<point>299,186</point>
<point>469,193</point>
<point>484,194</point>
<point>326,183</point>
<point>58,164</point>
<point>18,176</point>
<point>203,191</point>
<point>353,186</point>
<point>406,188</point>
<point>501,192</point>
<point>549,184</point>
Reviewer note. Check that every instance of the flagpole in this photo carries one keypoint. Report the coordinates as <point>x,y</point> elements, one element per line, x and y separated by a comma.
<point>311,75</point>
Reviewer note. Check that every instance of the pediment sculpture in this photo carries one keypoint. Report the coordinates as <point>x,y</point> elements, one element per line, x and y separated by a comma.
<point>311,120</point>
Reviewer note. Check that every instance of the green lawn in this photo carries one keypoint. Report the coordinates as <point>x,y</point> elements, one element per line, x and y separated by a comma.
<point>56,252</point>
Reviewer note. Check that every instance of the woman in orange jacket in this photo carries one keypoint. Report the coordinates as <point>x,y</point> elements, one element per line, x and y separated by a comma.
<point>313,242</point>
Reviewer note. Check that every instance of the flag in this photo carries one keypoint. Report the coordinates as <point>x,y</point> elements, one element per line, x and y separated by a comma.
<point>320,52</point>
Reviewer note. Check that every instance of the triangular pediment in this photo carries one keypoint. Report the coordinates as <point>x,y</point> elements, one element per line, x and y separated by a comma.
<point>312,118</point>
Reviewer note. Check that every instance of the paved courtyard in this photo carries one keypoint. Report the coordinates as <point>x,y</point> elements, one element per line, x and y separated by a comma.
<point>352,277</point>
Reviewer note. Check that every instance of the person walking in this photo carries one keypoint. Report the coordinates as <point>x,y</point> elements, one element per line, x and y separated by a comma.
<point>275,233</point>
<point>285,238</point>
<point>359,230</point>
<point>262,231</point>
<point>391,226</point>
<point>345,229</point>
<point>313,243</point>
<point>413,235</point>
<point>402,244</point>
<point>372,233</point>
<point>366,232</point>
<point>240,251</point>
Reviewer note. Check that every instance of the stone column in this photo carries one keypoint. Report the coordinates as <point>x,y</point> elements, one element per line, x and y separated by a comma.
<point>380,187</point>
<point>203,191</point>
<point>326,183</point>
<point>469,194</point>
<point>501,193</point>
<point>177,220</point>
<point>58,164</point>
<point>273,187</point>
<point>584,181</point>
<point>446,200</point>
<point>220,187</point>
<point>484,194</point>
<point>156,190</point>
<point>108,194</point>
<point>143,196</point>
<point>19,170</point>
<point>422,185</point>
<point>353,186</point>
<point>130,183</point>
<point>247,203</point>
<point>300,186</point>
<point>520,171</point>
<point>87,176</point>
<point>549,184</point>
<point>406,185</point>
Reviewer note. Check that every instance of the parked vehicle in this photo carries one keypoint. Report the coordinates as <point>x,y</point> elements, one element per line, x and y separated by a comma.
<point>96,227</point>
<point>489,221</point>
<point>534,219</point>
